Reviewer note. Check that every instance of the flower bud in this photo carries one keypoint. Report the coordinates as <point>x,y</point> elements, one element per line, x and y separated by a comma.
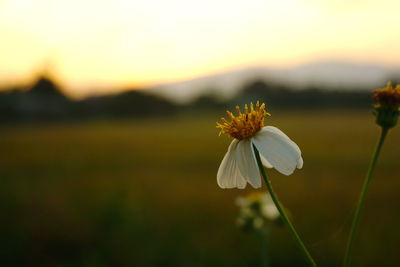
<point>387,105</point>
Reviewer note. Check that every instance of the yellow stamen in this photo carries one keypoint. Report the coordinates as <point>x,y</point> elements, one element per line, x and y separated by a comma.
<point>388,96</point>
<point>245,124</point>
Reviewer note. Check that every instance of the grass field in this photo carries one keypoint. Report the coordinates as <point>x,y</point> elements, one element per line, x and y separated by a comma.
<point>144,193</point>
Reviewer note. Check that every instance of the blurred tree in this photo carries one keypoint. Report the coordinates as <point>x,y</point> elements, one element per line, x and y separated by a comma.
<point>207,101</point>
<point>277,96</point>
<point>132,103</point>
<point>43,101</point>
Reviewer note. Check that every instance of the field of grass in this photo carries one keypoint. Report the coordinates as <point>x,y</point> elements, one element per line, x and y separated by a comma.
<point>144,193</point>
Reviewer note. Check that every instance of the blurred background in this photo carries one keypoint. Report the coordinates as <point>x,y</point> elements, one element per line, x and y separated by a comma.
<point>109,150</point>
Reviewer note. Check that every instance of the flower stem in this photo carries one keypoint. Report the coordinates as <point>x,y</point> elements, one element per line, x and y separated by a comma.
<point>264,247</point>
<point>361,200</point>
<point>281,210</point>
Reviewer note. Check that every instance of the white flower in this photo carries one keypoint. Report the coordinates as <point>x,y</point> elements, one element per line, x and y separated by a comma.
<point>239,165</point>
<point>256,210</point>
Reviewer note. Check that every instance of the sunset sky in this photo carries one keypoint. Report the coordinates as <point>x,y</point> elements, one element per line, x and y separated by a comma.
<point>90,44</point>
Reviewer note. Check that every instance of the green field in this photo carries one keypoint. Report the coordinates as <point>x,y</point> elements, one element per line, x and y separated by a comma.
<point>144,193</point>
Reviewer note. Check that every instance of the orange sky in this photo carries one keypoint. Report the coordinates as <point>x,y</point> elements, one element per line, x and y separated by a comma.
<point>104,43</point>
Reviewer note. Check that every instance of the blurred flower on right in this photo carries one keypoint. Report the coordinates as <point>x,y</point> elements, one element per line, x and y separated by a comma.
<point>387,105</point>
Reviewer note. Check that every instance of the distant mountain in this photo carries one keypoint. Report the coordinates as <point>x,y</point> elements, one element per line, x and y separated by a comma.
<point>340,75</point>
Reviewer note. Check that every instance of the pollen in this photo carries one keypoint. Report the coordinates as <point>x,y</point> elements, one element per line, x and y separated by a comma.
<point>245,124</point>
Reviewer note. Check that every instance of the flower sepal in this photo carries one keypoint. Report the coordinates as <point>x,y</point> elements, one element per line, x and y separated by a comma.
<point>386,116</point>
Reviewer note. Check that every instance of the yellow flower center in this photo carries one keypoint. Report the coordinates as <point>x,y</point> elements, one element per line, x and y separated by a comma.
<point>255,196</point>
<point>245,124</point>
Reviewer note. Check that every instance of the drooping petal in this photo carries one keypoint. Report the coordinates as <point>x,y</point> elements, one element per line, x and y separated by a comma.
<point>300,163</point>
<point>265,162</point>
<point>247,163</point>
<point>278,132</point>
<point>228,175</point>
<point>277,148</point>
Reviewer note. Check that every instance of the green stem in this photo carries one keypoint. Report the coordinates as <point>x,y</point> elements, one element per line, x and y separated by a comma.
<point>281,210</point>
<point>361,200</point>
<point>264,247</point>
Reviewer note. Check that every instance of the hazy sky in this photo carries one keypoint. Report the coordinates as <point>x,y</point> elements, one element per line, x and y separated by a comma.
<point>88,43</point>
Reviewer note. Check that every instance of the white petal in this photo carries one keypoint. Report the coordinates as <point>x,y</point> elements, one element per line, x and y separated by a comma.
<point>281,152</point>
<point>265,162</point>
<point>247,163</point>
<point>228,175</point>
<point>300,163</point>
<point>278,132</point>
<point>270,211</point>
